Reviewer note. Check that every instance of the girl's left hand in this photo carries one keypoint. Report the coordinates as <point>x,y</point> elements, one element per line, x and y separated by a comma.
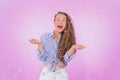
<point>78,46</point>
<point>75,47</point>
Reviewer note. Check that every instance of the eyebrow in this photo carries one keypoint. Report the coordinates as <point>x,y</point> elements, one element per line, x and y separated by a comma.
<point>59,17</point>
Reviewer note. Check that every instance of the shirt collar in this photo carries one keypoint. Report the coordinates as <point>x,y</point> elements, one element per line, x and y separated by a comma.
<point>52,35</point>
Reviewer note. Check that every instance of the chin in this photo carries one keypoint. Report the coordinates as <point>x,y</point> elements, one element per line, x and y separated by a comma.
<point>60,31</point>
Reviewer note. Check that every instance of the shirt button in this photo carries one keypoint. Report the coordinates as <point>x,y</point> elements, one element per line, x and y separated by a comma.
<point>53,70</point>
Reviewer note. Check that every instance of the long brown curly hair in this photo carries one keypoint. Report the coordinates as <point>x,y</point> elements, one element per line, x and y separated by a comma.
<point>67,37</point>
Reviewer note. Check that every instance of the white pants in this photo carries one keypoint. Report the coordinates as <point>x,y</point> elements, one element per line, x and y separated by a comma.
<point>57,75</point>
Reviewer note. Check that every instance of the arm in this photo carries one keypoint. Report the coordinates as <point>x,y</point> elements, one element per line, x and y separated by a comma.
<point>41,51</point>
<point>70,53</point>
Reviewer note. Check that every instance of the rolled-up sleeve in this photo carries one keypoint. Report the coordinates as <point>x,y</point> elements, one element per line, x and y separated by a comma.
<point>42,55</point>
<point>68,58</point>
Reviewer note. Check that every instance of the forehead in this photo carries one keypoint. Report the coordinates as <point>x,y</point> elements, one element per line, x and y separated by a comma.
<point>62,16</point>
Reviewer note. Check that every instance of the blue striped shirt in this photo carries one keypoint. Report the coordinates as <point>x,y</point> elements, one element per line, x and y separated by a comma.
<point>49,53</point>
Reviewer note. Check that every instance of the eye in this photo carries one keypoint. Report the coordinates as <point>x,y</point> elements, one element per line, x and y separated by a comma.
<point>57,19</point>
<point>63,20</point>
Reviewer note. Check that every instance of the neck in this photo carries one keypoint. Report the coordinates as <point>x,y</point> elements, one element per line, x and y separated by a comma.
<point>56,34</point>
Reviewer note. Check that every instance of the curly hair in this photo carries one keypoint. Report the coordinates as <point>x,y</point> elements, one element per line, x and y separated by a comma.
<point>67,38</point>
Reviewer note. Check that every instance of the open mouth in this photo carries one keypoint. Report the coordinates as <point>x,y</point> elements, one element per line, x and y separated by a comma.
<point>60,27</point>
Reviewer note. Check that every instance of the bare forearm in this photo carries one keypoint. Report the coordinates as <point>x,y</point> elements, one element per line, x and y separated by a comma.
<point>74,48</point>
<point>71,51</point>
<point>40,47</point>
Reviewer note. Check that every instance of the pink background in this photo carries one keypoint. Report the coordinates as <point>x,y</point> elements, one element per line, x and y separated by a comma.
<point>97,26</point>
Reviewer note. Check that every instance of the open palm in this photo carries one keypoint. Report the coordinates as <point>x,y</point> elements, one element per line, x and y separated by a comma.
<point>34,41</point>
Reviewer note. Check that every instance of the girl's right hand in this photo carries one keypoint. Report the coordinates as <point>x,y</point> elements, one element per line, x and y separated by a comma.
<point>34,41</point>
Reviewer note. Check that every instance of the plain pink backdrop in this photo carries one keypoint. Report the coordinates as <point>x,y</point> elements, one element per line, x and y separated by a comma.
<point>97,26</point>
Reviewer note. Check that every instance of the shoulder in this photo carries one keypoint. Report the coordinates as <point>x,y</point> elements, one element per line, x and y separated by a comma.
<point>46,35</point>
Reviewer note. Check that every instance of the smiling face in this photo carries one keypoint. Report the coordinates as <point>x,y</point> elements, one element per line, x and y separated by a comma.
<point>60,22</point>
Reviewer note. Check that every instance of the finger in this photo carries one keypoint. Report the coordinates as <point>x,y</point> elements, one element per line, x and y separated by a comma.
<point>33,39</point>
<point>30,40</point>
<point>83,46</point>
<point>80,48</point>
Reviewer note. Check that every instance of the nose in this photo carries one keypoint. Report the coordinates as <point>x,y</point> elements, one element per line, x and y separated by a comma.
<point>60,22</point>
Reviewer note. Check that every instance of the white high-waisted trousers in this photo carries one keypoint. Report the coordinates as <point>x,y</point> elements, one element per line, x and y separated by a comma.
<point>60,74</point>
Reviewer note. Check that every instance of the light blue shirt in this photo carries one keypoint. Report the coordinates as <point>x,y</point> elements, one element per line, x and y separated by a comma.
<point>49,53</point>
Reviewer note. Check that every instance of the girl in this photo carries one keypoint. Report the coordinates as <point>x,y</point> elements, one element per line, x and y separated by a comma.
<point>56,49</point>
